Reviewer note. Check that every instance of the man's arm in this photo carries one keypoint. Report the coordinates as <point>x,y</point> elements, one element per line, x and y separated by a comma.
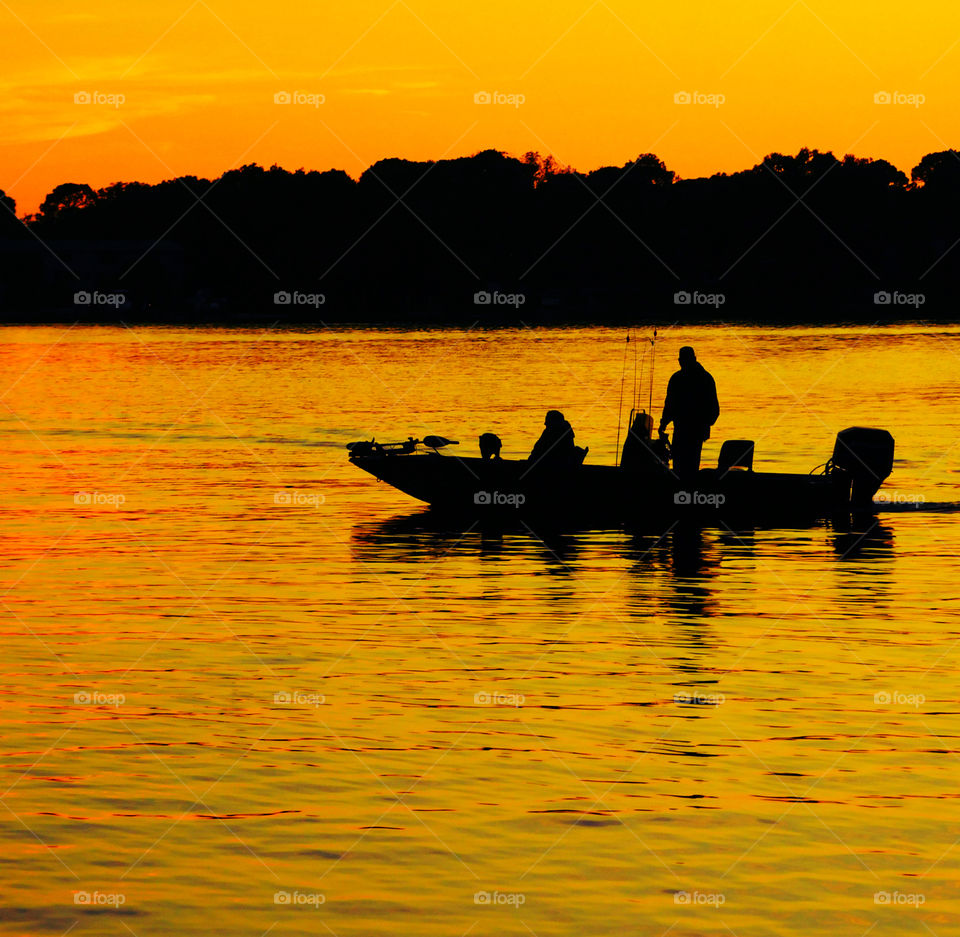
<point>667,416</point>
<point>714,401</point>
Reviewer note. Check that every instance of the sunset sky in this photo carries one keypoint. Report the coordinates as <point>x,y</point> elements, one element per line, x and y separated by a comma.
<point>110,90</point>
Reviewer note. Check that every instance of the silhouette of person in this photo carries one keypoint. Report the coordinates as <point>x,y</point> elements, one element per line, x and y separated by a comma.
<point>555,444</point>
<point>692,407</point>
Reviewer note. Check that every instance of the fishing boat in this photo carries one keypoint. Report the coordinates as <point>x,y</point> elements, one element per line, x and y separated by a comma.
<point>641,484</point>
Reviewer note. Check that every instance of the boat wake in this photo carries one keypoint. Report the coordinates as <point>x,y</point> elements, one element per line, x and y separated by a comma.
<point>910,507</point>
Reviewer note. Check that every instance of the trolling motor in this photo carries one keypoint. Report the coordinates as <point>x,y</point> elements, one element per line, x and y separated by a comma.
<point>862,460</point>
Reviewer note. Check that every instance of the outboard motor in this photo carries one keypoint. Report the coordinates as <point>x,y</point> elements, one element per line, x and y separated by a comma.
<point>865,455</point>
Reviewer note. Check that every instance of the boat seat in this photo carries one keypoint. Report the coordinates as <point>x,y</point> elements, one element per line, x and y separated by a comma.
<point>735,454</point>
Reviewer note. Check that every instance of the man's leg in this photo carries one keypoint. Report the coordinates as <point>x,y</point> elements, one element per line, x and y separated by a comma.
<point>686,449</point>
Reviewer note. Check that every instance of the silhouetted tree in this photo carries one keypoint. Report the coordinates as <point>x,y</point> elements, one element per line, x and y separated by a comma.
<point>544,166</point>
<point>647,168</point>
<point>68,195</point>
<point>873,174</point>
<point>939,172</point>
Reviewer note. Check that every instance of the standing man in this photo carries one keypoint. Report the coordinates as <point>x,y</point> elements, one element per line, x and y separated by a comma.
<point>692,407</point>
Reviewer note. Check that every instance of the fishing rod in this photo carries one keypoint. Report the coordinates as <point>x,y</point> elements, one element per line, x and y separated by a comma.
<point>653,361</point>
<point>623,377</point>
<point>637,389</point>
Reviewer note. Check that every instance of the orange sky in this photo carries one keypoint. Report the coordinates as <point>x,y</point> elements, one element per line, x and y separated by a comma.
<point>188,86</point>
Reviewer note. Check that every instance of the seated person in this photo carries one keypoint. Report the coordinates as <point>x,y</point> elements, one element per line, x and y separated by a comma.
<point>555,445</point>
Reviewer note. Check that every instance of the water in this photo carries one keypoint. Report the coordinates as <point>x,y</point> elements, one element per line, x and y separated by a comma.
<point>246,684</point>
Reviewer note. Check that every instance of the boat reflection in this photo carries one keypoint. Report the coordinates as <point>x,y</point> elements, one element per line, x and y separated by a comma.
<point>687,557</point>
<point>686,549</point>
<point>862,537</point>
<point>668,593</point>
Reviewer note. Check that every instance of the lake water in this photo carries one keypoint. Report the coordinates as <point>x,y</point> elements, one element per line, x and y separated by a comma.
<point>247,689</point>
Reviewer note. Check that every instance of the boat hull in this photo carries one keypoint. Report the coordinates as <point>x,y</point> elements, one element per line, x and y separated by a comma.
<point>479,486</point>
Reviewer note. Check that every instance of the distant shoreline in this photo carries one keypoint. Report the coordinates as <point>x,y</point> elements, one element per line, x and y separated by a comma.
<point>497,240</point>
<point>269,323</point>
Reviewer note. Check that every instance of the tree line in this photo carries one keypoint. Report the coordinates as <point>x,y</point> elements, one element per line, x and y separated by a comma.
<point>496,238</point>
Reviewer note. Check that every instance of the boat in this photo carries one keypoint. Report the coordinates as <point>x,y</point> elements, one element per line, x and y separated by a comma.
<point>641,485</point>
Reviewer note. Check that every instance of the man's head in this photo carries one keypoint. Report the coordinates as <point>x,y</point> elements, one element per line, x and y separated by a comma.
<point>553,418</point>
<point>687,357</point>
